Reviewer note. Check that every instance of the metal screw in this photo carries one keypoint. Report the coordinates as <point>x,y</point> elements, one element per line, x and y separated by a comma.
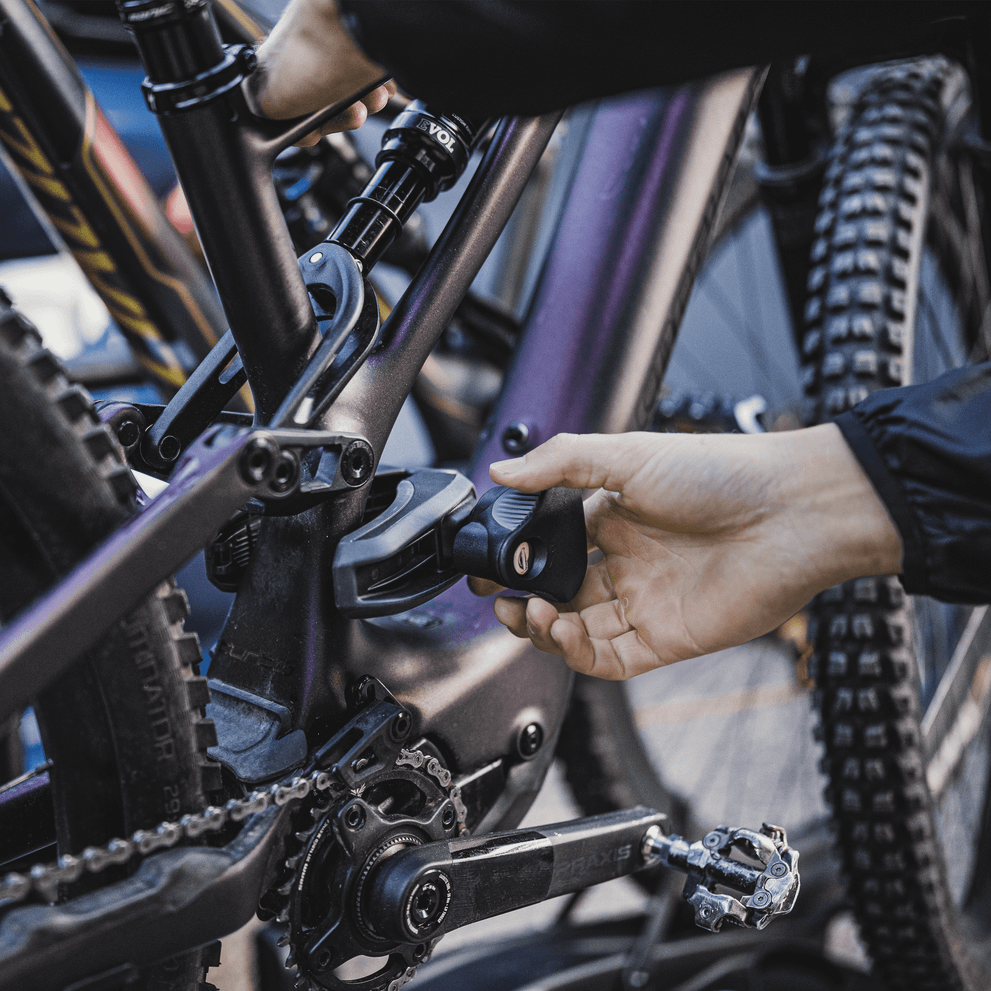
<point>357,462</point>
<point>169,448</point>
<point>447,820</point>
<point>322,959</point>
<point>530,740</point>
<point>401,725</point>
<point>779,869</point>
<point>516,437</point>
<point>128,433</point>
<point>712,840</point>
<point>760,899</point>
<point>315,257</point>
<point>258,460</point>
<point>354,817</point>
<point>249,59</point>
<point>286,472</point>
<point>426,903</point>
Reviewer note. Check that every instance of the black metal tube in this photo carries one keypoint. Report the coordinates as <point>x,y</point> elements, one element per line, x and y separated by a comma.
<point>376,218</point>
<point>176,42</point>
<point>223,157</point>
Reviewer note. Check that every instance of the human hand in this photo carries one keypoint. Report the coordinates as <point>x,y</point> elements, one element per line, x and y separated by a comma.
<point>707,540</point>
<point>308,62</point>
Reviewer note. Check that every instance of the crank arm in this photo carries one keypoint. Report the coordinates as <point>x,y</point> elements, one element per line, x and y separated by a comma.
<point>424,891</point>
<point>177,899</point>
<point>223,469</point>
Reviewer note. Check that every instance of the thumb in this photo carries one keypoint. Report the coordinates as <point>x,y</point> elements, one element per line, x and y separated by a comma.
<point>576,461</point>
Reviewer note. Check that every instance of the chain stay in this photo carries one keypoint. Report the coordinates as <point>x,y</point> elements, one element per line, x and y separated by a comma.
<point>45,878</point>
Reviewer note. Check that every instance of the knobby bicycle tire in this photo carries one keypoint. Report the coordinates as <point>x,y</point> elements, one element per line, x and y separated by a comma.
<point>124,729</point>
<point>894,173</point>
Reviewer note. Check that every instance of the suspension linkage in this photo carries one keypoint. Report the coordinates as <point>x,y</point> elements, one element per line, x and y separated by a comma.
<point>222,471</point>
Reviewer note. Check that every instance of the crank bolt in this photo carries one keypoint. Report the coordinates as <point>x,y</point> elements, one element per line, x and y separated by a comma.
<point>401,725</point>
<point>322,959</point>
<point>357,462</point>
<point>427,903</point>
<point>779,869</point>
<point>128,433</point>
<point>354,817</point>
<point>447,819</point>
<point>530,740</point>
<point>760,899</point>
<point>516,438</point>
<point>169,448</point>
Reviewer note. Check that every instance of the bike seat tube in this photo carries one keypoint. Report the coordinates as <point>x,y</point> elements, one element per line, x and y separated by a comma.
<point>194,86</point>
<point>423,153</point>
<point>177,41</point>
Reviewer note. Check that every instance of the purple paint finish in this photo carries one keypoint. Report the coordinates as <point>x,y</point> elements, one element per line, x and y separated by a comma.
<point>631,158</point>
<point>595,267</point>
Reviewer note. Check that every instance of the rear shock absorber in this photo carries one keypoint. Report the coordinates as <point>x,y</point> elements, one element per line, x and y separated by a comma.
<point>423,153</point>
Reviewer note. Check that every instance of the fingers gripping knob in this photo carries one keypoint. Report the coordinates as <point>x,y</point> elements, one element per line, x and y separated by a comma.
<point>528,541</point>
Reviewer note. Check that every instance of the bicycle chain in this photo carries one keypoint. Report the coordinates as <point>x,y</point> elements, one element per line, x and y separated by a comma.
<point>45,878</point>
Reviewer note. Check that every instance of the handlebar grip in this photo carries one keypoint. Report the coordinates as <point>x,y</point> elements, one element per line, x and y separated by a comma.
<point>531,542</point>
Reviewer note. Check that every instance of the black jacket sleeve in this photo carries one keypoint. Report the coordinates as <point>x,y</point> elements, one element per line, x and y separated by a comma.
<point>927,451</point>
<point>495,57</point>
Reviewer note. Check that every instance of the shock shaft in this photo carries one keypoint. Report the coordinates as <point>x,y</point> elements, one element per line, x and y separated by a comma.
<point>423,153</point>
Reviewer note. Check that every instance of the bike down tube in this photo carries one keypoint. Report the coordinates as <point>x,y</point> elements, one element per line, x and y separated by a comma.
<point>75,170</point>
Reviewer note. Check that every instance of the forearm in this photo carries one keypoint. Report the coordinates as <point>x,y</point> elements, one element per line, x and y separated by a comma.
<point>826,503</point>
<point>531,56</point>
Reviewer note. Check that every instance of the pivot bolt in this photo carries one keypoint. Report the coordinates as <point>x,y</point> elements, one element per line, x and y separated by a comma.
<point>530,740</point>
<point>712,840</point>
<point>760,899</point>
<point>169,448</point>
<point>779,869</point>
<point>257,460</point>
<point>128,433</point>
<point>357,462</point>
<point>516,437</point>
<point>354,817</point>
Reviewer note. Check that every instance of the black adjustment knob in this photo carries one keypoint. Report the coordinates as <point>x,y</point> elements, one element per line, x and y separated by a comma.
<point>532,542</point>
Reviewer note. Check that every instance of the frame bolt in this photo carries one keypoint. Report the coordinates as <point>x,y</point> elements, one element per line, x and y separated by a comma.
<point>258,460</point>
<point>530,740</point>
<point>169,448</point>
<point>357,462</point>
<point>128,433</point>
<point>516,438</point>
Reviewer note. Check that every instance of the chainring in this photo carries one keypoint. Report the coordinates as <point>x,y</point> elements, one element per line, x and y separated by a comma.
<point>320,897</point>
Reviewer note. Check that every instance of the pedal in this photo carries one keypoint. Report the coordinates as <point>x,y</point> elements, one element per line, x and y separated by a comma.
<point>434,531</point>
<point>766,891</point>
